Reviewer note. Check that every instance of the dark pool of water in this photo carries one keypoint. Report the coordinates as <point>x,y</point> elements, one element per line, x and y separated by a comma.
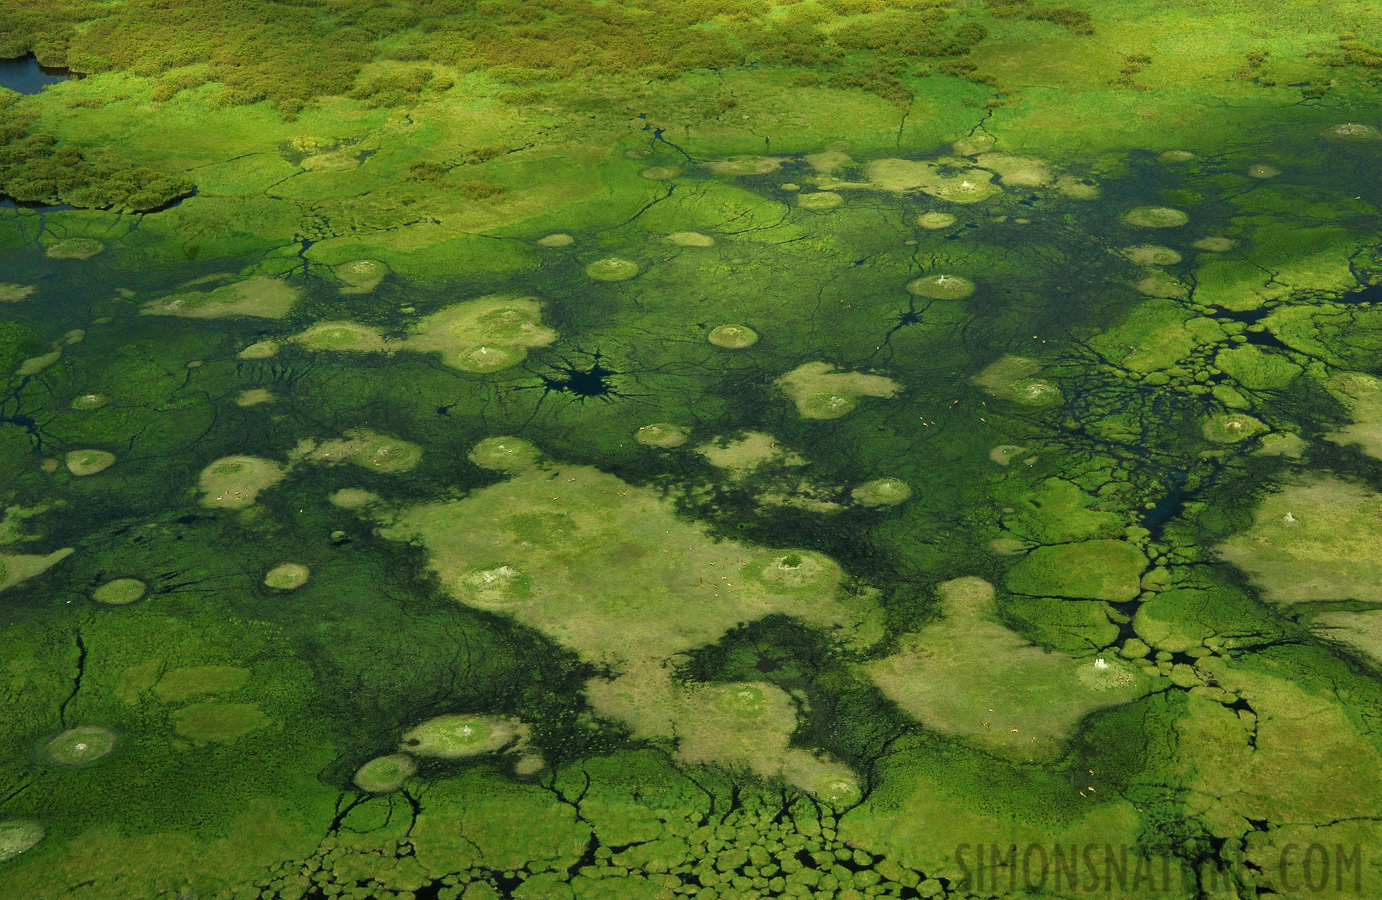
<point>26,76</point>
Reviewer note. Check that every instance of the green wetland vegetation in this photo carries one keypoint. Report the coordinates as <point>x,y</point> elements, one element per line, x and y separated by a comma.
<point>728,449</point>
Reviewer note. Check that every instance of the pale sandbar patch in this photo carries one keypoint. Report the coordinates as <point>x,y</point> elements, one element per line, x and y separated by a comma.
<point>120,592</point>
<point>260,350</point>
<point>262,297</point>
<point>732,337</point>
<point>253,397</point>
<point>89,462</point>
<point>821,392</point>
<point>234,482</point>
<point>287,576</point>
<point>13,293</point>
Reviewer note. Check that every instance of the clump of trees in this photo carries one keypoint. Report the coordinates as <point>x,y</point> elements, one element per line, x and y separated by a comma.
<point>34,169</point>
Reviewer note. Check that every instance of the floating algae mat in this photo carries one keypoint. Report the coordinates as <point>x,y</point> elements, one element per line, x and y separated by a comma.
<point>586,450</point>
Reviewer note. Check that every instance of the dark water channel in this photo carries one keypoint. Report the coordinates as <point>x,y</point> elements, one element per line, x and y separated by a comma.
<point>26,76</point>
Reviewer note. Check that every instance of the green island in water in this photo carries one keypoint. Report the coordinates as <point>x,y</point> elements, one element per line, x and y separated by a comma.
<point>718,449</point>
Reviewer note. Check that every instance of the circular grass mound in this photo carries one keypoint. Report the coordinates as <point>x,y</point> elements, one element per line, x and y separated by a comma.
<point>838,792</point>
<point>936,220</point>
<point>361,276</point>
<point>234,482</point>
<point>506,454</point>
<point>88,462</point>
<point>556,240</point>
<point>733,337</point>
<point>80,746</point>
<point>1353,131</point>
<point>120,592</point>
<point>662,434</point>
<point>798,570</point>
<point>820,201</point>
<point>385,774</point>
<point>1230,428</point>
<point>661,173</point>
<point>941,287</point>
<point>1152,255</point>
<point>1156,217</point>
<point>353,498</point>
<point>827,405</point>
<point>340,336</point>
<point>18,836</point>
<point>612,269</point>
<point>690,239</point>
<point>882,492</point>
<point>1262,170</point>
<point>89,402</point>
<point>745,701</point>
<point>1176,156</point>
<point>287,576</point>
<point>457,737</point>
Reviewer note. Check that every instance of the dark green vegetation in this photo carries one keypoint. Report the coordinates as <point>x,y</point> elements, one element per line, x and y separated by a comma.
<point>717,449</point>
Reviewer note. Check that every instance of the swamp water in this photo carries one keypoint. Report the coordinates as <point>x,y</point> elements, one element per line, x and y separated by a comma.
<point>786,535</point>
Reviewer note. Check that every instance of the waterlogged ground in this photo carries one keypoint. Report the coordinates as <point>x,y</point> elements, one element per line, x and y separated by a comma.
<point>500,484</point>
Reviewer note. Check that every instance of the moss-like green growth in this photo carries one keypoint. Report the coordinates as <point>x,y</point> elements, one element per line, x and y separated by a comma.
<point>13,293</point>
<point>1089,570</point>
<point>262,297</point>
<point>218,722</point>
<point>234,482</point>
<point>1230,428</point>
<point>1314,540</point>
<point>820,392</point>
<point>1058,511</point>
<point>1159,284</point>
<point>1257,369</point>
<point>287,576</point>
<point>74,248</point>
<point>1156,217</point>
<point>941,287</point>
<point>935,221</point>
<point>339,336</point>
<point>690,239</point>
<point>89,462</point>
<point>506,454</point>
<point>457,737</point>
<point>187,682</point>
<point>80,746</point>
<point>119,592</point>
<point>18,836</point>
<point>89,402</point>
<point>1152,255</point>
<point>260,350</point>
<point>882,492</point>
<point>1014,378</point>
<point>1156,335</point>
<point>820,201</point>
<point>612,269</point>
<point>364,448</point>
<point>484,335</point>
<point>385,774</point>
<point>663,435</point>
<point>971,676</point>
<point>361,276</point>
<point>733,337</point>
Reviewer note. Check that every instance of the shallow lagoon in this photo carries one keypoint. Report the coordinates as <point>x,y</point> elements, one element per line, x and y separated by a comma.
<point>691,520</point>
